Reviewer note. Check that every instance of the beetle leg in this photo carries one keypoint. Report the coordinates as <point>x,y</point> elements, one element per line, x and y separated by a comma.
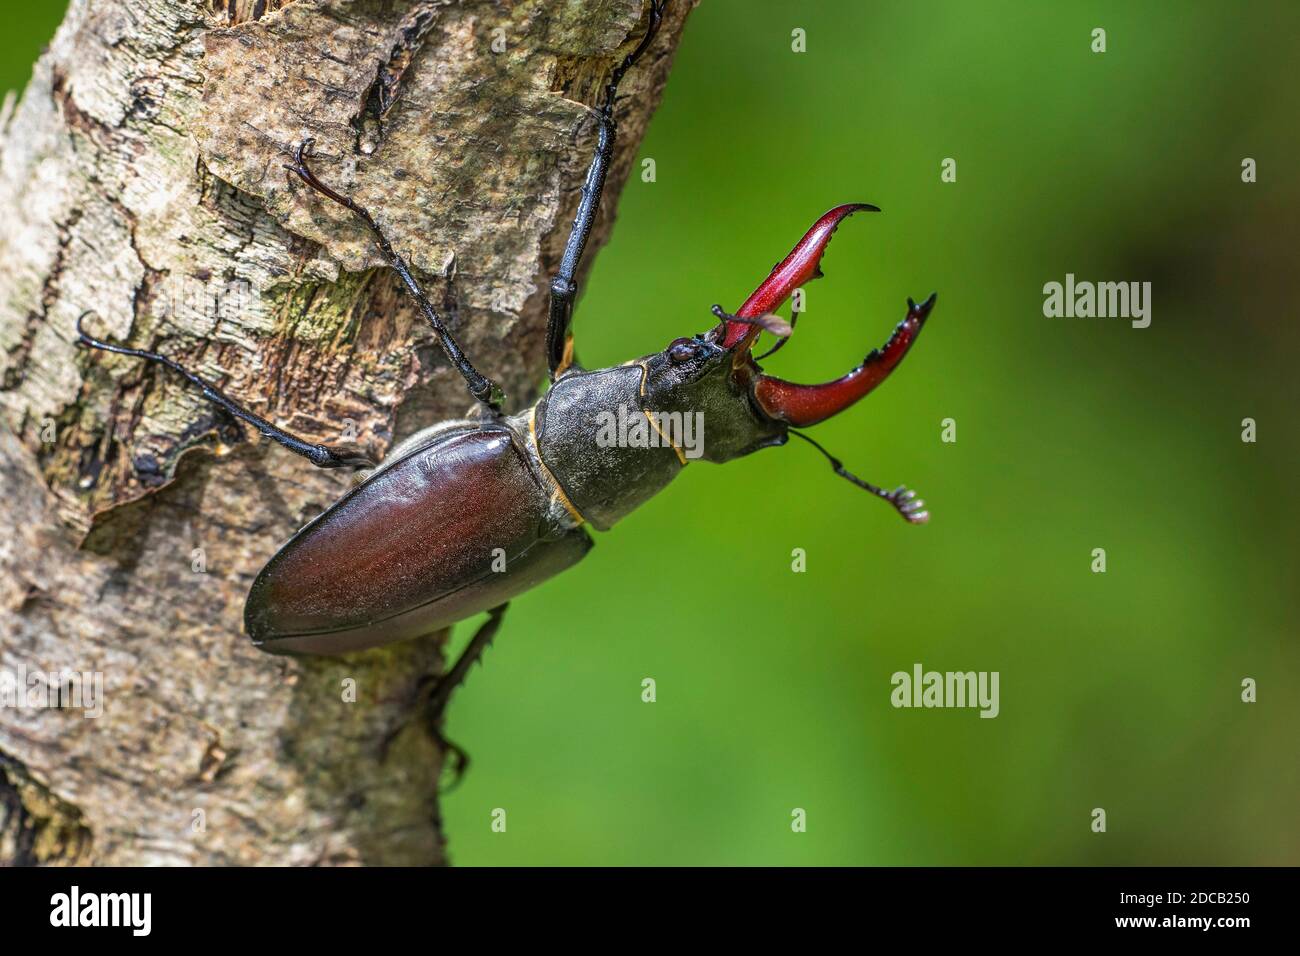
<point>564,288</point>
<point>904,501</point>
<point>436,705</point>
<point>323,456</point>
<point>481,387</point>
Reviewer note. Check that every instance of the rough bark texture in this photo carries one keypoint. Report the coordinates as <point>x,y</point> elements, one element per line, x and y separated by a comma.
<point>140,175</point>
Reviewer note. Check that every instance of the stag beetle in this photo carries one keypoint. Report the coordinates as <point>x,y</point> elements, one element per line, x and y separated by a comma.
<point>419,544</point>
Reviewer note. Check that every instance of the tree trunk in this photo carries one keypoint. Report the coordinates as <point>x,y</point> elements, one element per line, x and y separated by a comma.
<point>140,176</point>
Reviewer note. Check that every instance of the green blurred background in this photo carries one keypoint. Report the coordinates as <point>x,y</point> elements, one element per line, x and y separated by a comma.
<point>1118,690</point>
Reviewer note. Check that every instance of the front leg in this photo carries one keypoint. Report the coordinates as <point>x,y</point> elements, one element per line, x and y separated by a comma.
<point>564,288</point>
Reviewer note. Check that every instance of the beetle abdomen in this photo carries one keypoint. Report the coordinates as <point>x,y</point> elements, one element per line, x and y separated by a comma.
<point>454,528</point>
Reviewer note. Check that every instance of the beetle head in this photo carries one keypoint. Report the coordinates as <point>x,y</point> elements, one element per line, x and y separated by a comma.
<point>697,376</point>
<point>717,374</point>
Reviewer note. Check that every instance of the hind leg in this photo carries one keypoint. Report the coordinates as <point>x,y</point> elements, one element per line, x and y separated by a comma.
<point>481,387</point>
<point>440,693</point>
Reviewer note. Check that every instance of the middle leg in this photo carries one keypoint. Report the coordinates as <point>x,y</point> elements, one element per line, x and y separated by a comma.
<point>440,693</point>
<point>481,387</point>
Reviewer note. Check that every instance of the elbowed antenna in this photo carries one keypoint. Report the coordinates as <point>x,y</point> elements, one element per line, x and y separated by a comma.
<point>768,322</point>
<point>902,498</point>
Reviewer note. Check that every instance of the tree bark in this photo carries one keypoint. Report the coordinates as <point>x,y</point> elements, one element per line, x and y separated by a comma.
<point>140,176</point>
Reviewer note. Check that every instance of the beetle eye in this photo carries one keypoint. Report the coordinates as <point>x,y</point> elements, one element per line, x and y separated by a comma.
<point>682,351</point>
